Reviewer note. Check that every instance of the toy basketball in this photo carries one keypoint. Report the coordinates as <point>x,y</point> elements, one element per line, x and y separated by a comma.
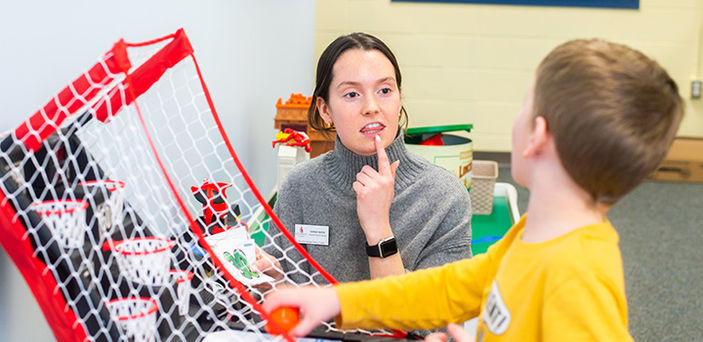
<point>285,317</point>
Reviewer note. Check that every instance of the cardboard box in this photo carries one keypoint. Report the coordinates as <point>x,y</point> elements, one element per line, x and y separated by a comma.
<point>683,163</point>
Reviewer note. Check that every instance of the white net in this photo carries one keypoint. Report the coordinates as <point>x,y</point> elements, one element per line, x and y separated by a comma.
<point>123,189</point>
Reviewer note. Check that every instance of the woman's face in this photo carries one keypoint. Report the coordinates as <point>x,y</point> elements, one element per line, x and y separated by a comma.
<point>364,100</point>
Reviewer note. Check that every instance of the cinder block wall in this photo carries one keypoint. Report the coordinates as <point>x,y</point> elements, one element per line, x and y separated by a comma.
<point>468,63</point>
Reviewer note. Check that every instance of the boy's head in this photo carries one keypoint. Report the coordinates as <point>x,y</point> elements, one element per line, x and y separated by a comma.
<point>612,112</point>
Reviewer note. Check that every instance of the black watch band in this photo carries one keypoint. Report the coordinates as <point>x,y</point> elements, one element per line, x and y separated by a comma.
<point>383,249</point>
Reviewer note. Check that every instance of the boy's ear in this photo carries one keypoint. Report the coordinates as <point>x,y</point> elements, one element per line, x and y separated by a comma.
<point>324,111</point>
<point>539,138</point>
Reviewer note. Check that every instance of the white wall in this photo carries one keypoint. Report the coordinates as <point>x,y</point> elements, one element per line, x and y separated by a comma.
<point>251,53</point>
<point>471,63</point>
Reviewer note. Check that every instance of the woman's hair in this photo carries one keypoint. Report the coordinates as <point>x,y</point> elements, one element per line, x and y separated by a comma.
<point>357,40</point>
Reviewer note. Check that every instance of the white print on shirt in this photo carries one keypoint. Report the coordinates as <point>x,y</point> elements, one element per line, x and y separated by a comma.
<point>495,314</point>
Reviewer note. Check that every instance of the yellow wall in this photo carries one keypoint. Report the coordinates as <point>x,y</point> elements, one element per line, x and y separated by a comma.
<point>467,63</point>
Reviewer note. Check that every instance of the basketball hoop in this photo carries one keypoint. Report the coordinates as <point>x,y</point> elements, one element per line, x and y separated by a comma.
<point>109,213</point>
<point>183,288</point>
<point>136,316</point>
<point>65,219</point>
<point>145,260</point>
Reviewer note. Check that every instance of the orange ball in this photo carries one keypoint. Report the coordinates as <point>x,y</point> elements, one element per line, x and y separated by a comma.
<point>285,317</point>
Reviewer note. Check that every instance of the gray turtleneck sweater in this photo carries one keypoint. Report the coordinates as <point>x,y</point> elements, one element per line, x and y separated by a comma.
<point>430,214</point>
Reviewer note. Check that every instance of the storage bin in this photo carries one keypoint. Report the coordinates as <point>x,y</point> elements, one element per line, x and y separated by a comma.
<point>454,153</point>
<point>484,176</point>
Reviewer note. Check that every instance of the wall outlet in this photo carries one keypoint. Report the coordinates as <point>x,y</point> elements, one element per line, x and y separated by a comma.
<point>695,89</point>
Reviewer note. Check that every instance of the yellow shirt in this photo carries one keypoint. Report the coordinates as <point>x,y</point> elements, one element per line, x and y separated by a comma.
<point>570,288</point>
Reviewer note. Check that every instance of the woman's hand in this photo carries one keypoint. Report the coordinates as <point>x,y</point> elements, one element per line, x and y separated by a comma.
<point>267,264</point>
<point>456,331</point>
<point>374,194</point>
<point>316,305</point>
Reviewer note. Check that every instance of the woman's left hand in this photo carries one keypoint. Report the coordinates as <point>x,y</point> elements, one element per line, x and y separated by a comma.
<point>374,194</point>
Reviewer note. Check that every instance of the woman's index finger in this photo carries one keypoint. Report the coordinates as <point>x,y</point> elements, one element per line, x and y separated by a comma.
<point>384,166</point>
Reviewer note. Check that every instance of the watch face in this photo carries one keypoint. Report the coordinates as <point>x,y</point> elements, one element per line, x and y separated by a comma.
<point>388,248</point>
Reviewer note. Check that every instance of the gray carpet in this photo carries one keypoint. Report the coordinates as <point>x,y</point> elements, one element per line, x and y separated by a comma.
<point>661,239</point>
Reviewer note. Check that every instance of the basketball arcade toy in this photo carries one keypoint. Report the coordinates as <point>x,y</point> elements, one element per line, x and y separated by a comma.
<point>98,191</point>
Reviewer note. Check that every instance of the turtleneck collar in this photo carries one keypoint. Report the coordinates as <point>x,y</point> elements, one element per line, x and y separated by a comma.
<point>342,165</point>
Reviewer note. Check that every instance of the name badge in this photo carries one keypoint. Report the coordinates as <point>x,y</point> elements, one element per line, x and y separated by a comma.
<point>312,235</point>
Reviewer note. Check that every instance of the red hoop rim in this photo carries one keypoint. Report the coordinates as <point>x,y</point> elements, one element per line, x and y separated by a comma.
<point>152,310</point>
<point>81,204</point>
<point>119,184</point>
<point>182,279</point>
<point>116,245</point>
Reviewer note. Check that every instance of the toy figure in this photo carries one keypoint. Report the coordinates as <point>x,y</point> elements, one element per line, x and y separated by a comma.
<point>298,139</point>
<point>216,216</point>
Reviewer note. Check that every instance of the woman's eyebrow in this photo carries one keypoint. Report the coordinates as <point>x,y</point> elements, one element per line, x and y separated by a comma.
<point>356,84</point>
<point>348,83</point>
<point>386,79</point>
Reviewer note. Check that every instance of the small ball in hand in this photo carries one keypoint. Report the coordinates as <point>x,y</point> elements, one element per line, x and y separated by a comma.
<point>285,317</point>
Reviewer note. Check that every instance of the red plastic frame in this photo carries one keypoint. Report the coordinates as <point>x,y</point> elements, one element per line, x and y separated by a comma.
<point>80,93</point>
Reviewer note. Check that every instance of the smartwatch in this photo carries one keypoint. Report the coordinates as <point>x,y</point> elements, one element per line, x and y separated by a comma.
<point>383,249</point>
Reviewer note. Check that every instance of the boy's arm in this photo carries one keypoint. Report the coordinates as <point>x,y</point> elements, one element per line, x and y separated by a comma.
<point>423,299</point>
<point>455,291</point>
<point>585,309</point>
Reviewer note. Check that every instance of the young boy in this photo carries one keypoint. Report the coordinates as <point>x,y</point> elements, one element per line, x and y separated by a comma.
<point>597,120</point>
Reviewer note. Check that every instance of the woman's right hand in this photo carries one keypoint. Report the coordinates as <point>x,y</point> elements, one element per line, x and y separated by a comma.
<point>374,194</point>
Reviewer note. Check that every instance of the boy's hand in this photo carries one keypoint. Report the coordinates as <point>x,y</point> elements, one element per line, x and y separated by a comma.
<point>316,305</point>
<point>456,331</point>
<point>374,194</point>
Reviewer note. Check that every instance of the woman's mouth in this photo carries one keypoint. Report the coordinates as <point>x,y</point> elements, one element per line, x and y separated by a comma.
<point>372,129</point>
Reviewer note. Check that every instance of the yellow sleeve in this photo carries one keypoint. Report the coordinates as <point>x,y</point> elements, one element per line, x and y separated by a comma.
<point>424,299</point>
<point>585,309</point>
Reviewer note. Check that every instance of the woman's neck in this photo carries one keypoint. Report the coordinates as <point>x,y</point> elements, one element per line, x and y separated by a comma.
<point>342,164</point>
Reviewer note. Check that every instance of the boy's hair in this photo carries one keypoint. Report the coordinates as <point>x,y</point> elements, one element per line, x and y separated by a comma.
<point>612,111</point>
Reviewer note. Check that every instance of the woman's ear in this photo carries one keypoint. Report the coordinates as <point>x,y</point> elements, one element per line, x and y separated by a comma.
<point>539,138</point>
<point>324,111</point>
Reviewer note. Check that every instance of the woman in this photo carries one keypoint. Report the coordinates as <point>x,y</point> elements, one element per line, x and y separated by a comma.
<point>373,209</point>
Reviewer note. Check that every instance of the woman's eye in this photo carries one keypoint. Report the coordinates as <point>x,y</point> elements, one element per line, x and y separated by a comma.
<point>385,91</point>
<point>351,94</point>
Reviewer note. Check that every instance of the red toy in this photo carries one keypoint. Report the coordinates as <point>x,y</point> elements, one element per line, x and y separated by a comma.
<point>215,208</point>
<point>285,317</point>
<point>298,139</point>
<point>435,140</point>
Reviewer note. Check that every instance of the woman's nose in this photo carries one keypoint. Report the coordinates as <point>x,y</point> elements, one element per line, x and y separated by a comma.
<point>371,105</point>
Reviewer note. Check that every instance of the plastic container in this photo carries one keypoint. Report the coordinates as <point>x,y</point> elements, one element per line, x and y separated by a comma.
<point>485,173</point>
<point>454,154</point>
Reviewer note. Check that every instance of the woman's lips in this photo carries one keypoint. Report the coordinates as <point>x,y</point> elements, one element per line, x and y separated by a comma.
<point>372,129</point>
